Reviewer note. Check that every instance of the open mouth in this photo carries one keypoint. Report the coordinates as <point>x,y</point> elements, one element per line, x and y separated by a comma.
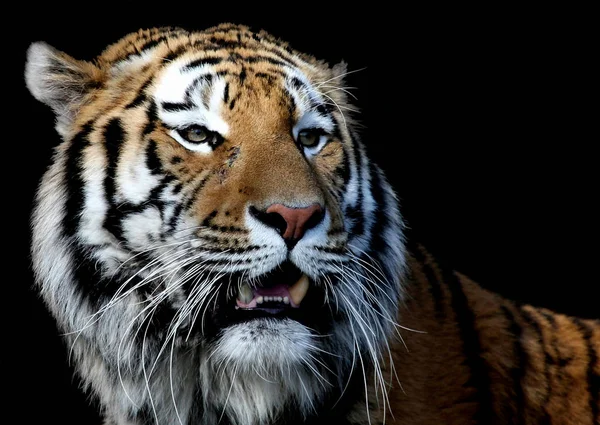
<point>282,289</point>
<point>284,293</point>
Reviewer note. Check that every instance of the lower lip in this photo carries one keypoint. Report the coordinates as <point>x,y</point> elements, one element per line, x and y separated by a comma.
<point>272,310</point>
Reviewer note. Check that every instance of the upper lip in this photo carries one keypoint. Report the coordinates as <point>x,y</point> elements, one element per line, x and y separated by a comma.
<point>287,272</point>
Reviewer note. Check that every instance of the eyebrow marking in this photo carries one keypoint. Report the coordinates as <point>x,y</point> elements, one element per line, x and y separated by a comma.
<point>177,106</point>
<point>201,62</point>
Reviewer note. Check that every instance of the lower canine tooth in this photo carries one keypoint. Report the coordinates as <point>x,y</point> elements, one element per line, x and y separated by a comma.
<point>245,295</point>
<point>298,290</point>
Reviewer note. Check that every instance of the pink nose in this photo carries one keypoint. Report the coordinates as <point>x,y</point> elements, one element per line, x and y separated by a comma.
<point>297,220</point>
<point>291,223</point>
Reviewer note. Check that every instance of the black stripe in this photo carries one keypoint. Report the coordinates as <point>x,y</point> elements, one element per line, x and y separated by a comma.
<point>141,96</point>
<point>226,93</point>
<point>351,146</point>
<point>177,106</point>
<point>175,54</point>
<point>219,46</point>
<point>355,212</point>
<point>434,284</point>
<point>153,162</point>
<point>85,271</point>
<point>271,74</point>
<point>381,221</point>
<point>343,170</point>
<point>356,218</point>
<point>265,76</point>
<point>201,62</point>
<point>545,420</point>
<point>90,281</point>
<point>127,208</point>
<point>153,43</point>
<point>336,231</point>
<point>114,135</point>
<point>593,379</point>
<point>479,378</point>
<point>224,43</point>
<point>152,117</point>
<point>291,103</point>
<point>188,96</point>
<point>332,250</point>
<point>242,76</point>
<point>323,109</point>
<point>297,84</point>
<point>559,362</point>
<point>227,229</point>
<point>208,218</point>
<point>152,40</point>
<point>230,250</point>
<point>260,58</point>
<point>75,185</point>
<point>197,190</point>
<point>176,212</point>
<point>516,409</point>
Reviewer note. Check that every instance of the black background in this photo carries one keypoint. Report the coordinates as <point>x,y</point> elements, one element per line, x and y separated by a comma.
<point>481,119</point>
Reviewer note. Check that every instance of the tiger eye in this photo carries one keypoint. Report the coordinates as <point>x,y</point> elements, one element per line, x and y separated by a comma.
<point>196,134</point>
<point>309,138</point>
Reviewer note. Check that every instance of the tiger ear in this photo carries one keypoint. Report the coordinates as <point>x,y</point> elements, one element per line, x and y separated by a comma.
<point>59,81</point>
<point>339,71</point>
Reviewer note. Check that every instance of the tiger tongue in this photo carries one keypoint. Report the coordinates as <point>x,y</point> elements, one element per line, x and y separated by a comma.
<point>279,290</point>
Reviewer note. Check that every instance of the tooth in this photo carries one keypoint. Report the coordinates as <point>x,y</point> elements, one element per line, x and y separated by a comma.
<point>245,295</point>
<point>259,300</point>
<point>286,300</point>
<point>280,299</point>
<point>298,290</point>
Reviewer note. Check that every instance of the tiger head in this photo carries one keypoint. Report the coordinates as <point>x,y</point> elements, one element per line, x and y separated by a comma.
<point>210,231</point>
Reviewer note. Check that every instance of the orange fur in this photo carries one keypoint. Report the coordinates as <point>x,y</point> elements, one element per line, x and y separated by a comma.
<point>532,366</point>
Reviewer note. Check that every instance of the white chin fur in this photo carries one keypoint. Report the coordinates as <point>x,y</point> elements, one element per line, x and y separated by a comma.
<point>260,366</point>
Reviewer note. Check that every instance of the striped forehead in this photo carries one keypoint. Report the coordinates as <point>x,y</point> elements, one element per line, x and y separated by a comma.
<point>191,95</point>
<point>195,91</point>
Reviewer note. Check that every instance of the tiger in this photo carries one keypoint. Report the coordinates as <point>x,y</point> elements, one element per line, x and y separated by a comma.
<point>217,247</point>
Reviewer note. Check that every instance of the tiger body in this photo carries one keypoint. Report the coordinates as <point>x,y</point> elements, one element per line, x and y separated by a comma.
<point>217,248</point>
<point>480,358</point>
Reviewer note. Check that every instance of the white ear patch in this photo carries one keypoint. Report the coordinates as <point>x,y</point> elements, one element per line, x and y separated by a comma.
<point>58,80</point>
<point>38,60</point>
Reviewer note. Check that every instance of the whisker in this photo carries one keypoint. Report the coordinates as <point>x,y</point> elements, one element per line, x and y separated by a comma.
<point>337,77</point>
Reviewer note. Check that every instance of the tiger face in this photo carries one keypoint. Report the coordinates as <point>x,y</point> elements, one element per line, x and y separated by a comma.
<point>211,234</point>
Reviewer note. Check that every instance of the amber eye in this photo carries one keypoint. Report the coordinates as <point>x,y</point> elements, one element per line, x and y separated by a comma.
<point>310,137</point>
<point>198,134</point>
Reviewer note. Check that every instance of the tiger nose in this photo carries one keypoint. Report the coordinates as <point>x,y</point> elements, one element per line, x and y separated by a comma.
<point>290,223</point>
